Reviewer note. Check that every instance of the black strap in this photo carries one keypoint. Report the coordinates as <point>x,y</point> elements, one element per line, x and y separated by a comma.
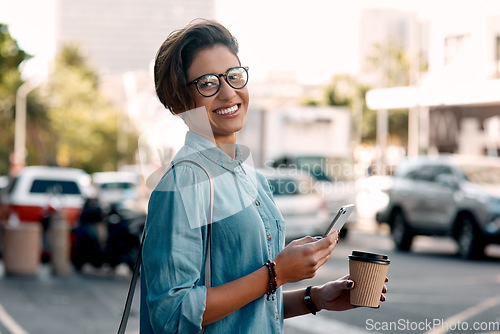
<point>131,289</point>
<point>308,301</point>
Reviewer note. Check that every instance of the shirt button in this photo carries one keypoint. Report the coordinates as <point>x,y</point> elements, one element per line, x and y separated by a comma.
<point>269,238</point>
<point>257,203</point>
<point>277,317</point>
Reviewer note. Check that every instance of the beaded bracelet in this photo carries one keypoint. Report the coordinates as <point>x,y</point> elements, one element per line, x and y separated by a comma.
<point>271,291</point>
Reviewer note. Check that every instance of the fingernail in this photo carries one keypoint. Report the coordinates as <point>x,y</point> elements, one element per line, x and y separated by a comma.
<point>349,284</point>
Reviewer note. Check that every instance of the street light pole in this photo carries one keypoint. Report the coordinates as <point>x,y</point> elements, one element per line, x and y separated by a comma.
<point>20,122</point>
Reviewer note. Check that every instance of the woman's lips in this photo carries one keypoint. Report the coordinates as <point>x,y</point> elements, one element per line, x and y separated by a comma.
<point>230,111</point>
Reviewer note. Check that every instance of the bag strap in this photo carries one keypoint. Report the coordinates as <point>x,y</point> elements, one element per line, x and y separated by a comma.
<point>208,261</point>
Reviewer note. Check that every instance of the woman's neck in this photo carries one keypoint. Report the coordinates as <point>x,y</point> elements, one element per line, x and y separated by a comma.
<point>227,144</point>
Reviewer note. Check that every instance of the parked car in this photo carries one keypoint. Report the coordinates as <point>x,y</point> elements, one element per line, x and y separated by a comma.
<point>116,187</point>
<point>334,180</point>
<point>36,189</point>
<point>304,210</point>
<point>445,196</point>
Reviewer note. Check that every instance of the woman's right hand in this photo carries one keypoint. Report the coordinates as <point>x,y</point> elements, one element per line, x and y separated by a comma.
<point>301,258</point>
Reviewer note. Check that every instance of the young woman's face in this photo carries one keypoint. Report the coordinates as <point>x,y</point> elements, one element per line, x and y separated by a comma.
<point>228,107</point>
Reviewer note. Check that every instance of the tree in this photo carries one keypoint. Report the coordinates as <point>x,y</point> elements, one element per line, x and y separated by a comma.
<point>345,90</point>
<point>11,58</point>
<point>392,64</point>
<point>84,122</point>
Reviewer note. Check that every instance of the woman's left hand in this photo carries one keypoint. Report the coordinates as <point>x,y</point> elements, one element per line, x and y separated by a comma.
<point>335,295</point>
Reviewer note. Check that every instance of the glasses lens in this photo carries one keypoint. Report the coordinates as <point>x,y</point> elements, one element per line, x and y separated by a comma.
<point>208,85</point>
<point>237,77</point>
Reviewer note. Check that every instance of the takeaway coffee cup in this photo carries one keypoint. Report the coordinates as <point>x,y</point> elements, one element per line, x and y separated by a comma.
<point>368,271</point>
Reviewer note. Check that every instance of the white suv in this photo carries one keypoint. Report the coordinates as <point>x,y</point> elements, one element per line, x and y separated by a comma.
<point>36,188</point>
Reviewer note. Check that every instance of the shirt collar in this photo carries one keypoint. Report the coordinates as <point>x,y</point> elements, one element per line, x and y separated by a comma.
<point>212,152</point>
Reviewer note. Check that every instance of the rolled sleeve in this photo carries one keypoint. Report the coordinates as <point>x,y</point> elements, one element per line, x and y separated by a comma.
<point>174,253</point>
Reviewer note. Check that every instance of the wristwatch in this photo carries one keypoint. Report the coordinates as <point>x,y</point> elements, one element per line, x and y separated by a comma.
<point>309,304</point>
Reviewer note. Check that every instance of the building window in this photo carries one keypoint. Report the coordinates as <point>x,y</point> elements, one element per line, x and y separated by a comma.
<point>452,46</point>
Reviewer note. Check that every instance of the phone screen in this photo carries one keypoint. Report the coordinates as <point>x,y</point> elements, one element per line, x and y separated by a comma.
<point>340,218</point>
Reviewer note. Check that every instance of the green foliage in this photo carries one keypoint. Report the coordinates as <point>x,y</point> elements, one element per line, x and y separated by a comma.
<point>84,122</point>
<point>310,102</point>
<point>391,62</point>
<point>347,91</point>
<point>342,91</point>
<point>69,121</point>
<point>397,124</point>
<point>11,57</point>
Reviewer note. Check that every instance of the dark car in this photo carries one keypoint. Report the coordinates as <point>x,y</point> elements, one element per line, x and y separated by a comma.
<point>445,196</point>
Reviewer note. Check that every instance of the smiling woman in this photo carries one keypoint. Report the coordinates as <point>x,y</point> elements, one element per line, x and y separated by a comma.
<point>198,76</point>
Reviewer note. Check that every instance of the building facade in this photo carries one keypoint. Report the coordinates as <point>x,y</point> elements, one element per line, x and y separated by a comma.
<point>458,100</point>
<point>124,35</point>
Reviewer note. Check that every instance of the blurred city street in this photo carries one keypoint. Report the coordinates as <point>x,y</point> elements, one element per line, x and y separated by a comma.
<point>429,285</point>
<point>393,106</point>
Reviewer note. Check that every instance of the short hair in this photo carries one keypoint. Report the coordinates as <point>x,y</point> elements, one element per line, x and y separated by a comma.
<point>176,54</point>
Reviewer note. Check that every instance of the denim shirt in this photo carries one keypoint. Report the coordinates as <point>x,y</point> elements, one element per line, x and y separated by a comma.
<point>247,231</point>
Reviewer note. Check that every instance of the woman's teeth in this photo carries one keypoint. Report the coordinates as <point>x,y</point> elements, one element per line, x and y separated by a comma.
<point>227,110</point>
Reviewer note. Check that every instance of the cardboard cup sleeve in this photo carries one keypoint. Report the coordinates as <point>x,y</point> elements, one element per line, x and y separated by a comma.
<point>368,271</point>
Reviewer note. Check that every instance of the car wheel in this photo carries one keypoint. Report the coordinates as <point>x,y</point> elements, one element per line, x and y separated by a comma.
<point>469,243</point>
<point>343,233</point>
<point>401,234</point>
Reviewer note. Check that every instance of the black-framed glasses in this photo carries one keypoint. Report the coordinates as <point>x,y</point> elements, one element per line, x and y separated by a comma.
<point>209,84</point>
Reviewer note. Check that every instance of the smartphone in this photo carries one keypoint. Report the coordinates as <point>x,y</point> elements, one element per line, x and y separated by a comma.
<point>340,218</point>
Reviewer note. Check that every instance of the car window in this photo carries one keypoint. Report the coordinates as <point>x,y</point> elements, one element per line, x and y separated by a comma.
<point>440,170</point>
<point>428,173</point>
<point>482,174</point>
<point>289,186</point>
<point>406,169</point>
<point>116,186</point>
<point>55,186</point>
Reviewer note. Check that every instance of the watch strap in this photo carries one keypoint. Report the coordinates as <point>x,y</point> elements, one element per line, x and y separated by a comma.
<point>308,301</point>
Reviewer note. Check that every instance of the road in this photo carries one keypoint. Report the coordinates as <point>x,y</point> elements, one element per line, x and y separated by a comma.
<point>430,291</point>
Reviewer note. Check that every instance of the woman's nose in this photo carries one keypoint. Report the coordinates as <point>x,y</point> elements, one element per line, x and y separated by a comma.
<point>225,91</point>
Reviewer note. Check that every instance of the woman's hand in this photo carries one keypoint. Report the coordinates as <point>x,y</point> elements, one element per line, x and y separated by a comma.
<point>335,295</point>
<point>301,258</point>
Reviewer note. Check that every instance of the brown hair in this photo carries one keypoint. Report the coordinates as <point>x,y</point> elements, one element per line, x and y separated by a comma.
<point>176,55</point>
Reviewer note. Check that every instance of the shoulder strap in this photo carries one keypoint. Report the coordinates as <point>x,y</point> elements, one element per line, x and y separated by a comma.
<point>208,261</point>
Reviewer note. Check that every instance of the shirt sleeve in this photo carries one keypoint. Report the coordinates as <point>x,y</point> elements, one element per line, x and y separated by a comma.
<point>174,251</point>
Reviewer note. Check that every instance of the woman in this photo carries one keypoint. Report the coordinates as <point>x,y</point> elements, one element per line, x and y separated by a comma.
<point>199,75</point>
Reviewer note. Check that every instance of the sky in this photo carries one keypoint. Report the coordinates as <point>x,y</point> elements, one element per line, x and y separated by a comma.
<point>315,38</point>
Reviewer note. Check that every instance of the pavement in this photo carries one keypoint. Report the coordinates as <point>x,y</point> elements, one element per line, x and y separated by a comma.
<point>91,302</point>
